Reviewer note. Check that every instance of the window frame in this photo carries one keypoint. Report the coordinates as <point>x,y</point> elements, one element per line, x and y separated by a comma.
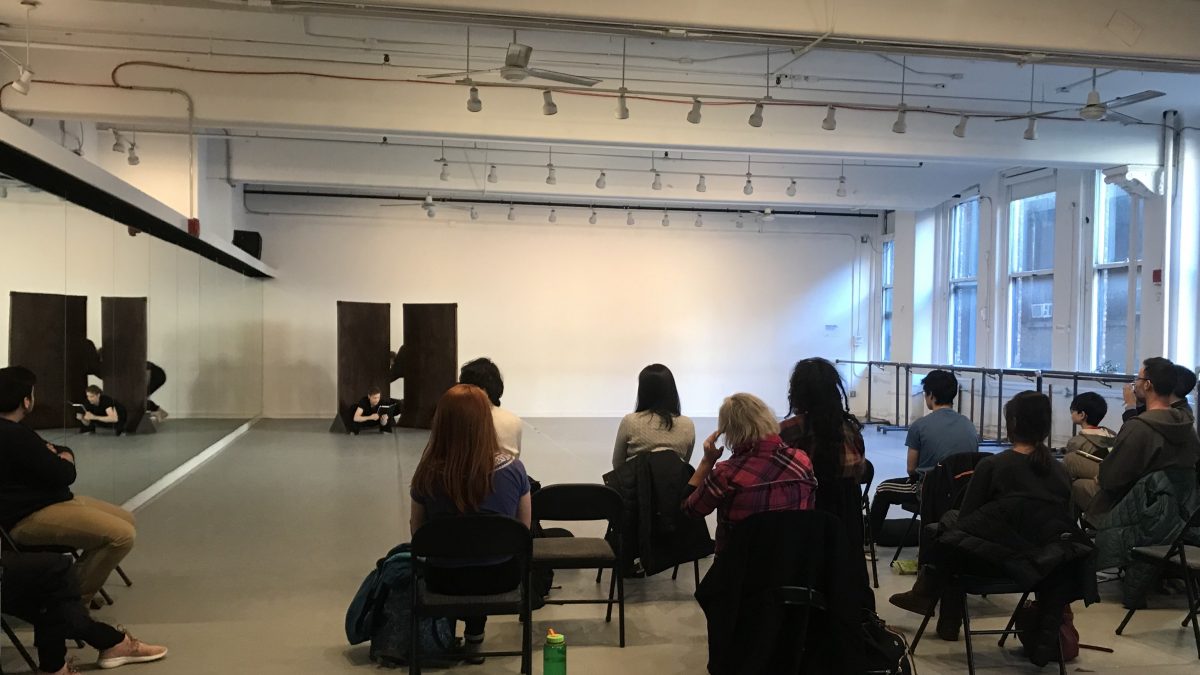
<point>1019,187</point>
<point>1131,266</point>
<point>886,323</point>
<point>954,283</point>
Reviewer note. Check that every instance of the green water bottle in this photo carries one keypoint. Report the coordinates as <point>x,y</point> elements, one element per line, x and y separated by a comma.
<point>554,654</point>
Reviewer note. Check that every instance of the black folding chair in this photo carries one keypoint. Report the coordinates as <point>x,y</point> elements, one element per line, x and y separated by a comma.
<point>932,503</point>
<point>984,586</point>
<point>576,502</point>
<point>867,478</point>
<point>471,537</point>
<point>1184,559</point>
<point>16,642</point>
<point>7,542</point>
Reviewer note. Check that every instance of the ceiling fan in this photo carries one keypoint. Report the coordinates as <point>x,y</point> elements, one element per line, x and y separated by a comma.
<point>516,69</point>
<point>1095,109</point>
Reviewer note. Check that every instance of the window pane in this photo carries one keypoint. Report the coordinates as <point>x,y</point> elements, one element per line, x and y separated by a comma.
<point>1140,236</point>
<point>1112,239</point>
<point>1137,314</point>
<point>1112,329</point>
<point>962,324</point>
<point>964,240</point>
<point>1031,319</point>
<point>888,263</point>
<point>887,324</point>
<point>1031,233</point>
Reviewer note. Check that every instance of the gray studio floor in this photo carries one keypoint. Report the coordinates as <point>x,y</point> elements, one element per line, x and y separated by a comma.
<point>247,567</point>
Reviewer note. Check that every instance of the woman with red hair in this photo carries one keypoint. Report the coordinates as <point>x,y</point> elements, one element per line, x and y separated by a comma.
<point>464,471</point>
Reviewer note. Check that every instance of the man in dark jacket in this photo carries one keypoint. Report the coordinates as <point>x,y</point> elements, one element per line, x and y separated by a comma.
<point>1185,384</point>
<point>1161,438</point>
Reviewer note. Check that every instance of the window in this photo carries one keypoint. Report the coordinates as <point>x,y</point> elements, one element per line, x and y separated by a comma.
<point>1116,322</point>
<point>964,281</point>
<point>1030,280</point>
<point>889,276</point>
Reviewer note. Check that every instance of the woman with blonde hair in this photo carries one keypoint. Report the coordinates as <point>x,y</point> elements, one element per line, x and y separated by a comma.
<point>465,471</point>
<point>762,473</point>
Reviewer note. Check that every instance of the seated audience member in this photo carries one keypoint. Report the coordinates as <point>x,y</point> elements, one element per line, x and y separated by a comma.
<point>761,474</point>
<point>1092,444</point>
<point>656,423</point>
<point>374,411</point>
<point>1011,525</point>
<point>940,433</point>
<point>463,471</point>
<point>156,377</point>
<point>484,374</point>
<point>101,410</point>
<point>1163,437</point>
<point>1185,384</point>
<point>36,504</point>
<point>41,588</point>
<point>821,425</point>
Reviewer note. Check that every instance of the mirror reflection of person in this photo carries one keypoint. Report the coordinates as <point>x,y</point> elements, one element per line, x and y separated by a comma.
<point>156,377</point>
<point>101,410</point>
<point>374,411</point>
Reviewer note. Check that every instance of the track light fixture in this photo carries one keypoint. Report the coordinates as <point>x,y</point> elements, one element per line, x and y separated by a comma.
<point>756,117</point>
<point>841,188</point>
<point>601,181</point>
<point>901,124</point>
<point>24,78</point>
<point>622,111</point>
<point>699,221</point>
<point>740,223</point>
<point>791,188</point>
<point>133,158</point>
<point>830,121</point>
<point>118,142</point>
<point>445,174</point>
<point>701,186</point>
<point>960,129</point>
<point>592,217</point>
<point>551,176</point>
<point>512,213</point>
<point>474,213</point>
<point>492,176</point>
<point>553,216</point>
<point>666,221</point>
<point>693,115</point>
<point>629,217</point>
<point>549,107</point>
<point>1031,131</point>
<point>748,188</point>
<point>474,104</point>
<point>656,184</point>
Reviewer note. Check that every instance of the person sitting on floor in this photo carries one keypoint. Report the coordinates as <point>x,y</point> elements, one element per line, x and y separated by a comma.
<point>41,588</point>
<point>656,422</point>
<point>940,433</point>
<point>1011,525</point>
<point>761,474</point>
<point>36,504</point>
<point>156,377</point>
<point>821,425</point>
<point>484,374</point>
<point>463,470</point>
<point>102,411</point>
<point>1161,438</point>
<point>1092,444</point>
<point>374,411</point>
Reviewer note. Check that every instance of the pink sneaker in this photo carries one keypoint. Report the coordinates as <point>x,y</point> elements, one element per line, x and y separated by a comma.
<point>131,650</point>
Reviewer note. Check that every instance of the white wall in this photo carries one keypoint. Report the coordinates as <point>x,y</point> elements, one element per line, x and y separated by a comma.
<point>570,313</point>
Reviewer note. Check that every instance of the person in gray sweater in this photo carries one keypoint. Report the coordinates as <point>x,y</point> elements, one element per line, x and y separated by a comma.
<point>1163,437</point>
<point>656,423</point>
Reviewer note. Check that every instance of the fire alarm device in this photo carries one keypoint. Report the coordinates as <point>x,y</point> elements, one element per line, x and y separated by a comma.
<point>194,227</point>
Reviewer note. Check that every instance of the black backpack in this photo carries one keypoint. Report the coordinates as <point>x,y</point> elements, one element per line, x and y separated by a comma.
<point>885,650</point>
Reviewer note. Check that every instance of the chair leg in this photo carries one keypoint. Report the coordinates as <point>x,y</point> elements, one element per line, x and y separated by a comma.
<point>966,618</point>
<point>124,577</point>
<point>912,522</point>
<point>1128,616</point>
<point>599,574</point>
<point>12,637</point>
<point>1012,620</point>
<point>107,598</point>
<point>912,648</point>
<point>621,609</point>
<point>675,573</point>
<point>527,637</point>
<point>1062,659</point>
<point>696,569</point>
<point>1193,587</point>
<point>612,589</point>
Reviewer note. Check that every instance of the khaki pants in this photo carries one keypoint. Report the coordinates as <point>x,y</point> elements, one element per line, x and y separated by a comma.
<point>104,533</point>
<point>1085,481</point>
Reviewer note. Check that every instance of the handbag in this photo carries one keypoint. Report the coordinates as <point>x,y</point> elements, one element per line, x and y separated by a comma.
<point>1068,635</point>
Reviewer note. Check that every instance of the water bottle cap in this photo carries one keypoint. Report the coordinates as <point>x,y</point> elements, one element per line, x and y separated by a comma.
<point>554,638</point>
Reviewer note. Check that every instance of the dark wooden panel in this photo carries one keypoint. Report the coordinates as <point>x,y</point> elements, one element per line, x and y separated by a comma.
<point>123,325</point>
<point>47,333</point>
<point>364,343</point>
<point>430,360</point>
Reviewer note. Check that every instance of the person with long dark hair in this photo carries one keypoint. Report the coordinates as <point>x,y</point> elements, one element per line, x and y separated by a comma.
<point>656,422</point>
<point>820,423</point>
<point>465,471</point>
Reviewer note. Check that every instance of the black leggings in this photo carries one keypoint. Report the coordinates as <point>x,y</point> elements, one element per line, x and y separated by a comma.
<point>41,588</point>
<point>482,580</point>
<point>156,377</point>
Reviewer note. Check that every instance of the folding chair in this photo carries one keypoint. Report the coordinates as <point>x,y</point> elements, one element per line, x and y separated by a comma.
<point>471,537</point>
<point>7,542</point>
<point>867,478</point>
<point>1185,559</point>
<point>984,586</point>
<point>16,642</point>
<point>934,502</point>
<point>576,502</point>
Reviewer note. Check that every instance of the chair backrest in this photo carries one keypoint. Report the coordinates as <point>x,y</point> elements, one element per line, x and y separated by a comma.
<point>473,537</point>
<point>578,501</point>
<point>944,486</point>
<point>868,476</point>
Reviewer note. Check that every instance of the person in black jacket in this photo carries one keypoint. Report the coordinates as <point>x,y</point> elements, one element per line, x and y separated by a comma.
<point>41,588</point>
<point>36,504</point>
